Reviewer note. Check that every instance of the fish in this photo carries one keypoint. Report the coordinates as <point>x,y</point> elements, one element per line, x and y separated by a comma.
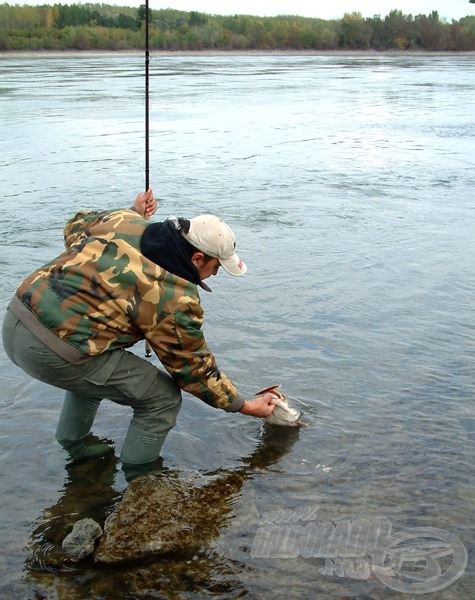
<point>284,413</point>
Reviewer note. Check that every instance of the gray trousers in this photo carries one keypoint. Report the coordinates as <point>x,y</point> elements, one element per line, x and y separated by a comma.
<point>120,376</point>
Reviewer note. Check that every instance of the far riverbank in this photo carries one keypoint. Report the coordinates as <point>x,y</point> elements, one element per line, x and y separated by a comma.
<point>79,53</point>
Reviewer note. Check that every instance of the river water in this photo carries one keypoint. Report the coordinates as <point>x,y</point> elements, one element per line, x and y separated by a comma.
<point>349,181</point>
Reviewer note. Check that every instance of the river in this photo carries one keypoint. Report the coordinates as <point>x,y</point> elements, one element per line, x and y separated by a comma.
<point>349,181</point>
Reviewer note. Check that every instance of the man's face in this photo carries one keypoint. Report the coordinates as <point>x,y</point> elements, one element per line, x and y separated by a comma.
<point>205,269</point>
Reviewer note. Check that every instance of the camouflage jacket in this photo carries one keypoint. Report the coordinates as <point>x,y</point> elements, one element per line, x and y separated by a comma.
<point>102,294</point>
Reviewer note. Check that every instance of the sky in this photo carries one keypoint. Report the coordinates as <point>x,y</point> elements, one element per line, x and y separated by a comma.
<point>323,9</point>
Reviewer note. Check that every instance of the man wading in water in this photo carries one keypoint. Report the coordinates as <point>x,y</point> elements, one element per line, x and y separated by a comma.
<point>123,279</point>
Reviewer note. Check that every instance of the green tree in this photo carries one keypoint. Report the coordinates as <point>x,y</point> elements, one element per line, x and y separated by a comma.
<point>142,15</point>
<point>397,31</point>
<point>126,21</point>
<point>90,26</point>
<point>259,38</point>
<point>197,19</point>
<point>467,26</point>
<point>429,32</point>
<point>355,32</point>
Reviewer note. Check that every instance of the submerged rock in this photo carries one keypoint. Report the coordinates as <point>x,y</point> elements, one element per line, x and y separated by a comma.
<point>172,514</point>
<point>81,541</point>
<point>162,514</point>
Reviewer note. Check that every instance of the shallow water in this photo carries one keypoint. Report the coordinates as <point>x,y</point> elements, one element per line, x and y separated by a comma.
<point>349,181</point>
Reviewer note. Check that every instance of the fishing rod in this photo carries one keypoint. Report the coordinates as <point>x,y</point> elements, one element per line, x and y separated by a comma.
<point>147,102</point>
<point>148,348</point>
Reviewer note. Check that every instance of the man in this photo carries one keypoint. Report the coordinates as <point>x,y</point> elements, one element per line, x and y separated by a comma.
<point>123,279</point>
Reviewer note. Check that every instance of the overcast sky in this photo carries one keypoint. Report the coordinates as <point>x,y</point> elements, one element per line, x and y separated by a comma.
<point>323,9</point>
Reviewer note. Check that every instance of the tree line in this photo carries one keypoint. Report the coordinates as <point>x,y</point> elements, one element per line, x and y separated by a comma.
<point>103,27</point>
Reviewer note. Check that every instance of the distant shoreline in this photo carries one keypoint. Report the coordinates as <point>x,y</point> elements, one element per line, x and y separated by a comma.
<point>82,53</point>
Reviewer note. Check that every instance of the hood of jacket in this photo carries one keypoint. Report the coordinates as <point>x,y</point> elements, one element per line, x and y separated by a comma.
<point>162,244</point>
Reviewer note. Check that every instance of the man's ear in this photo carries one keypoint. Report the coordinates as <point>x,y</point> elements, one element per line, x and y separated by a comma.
<point>197,258</point>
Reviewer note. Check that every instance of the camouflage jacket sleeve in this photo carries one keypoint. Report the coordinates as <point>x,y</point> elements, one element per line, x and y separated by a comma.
<point>180,344</point>
<point>77,228</point>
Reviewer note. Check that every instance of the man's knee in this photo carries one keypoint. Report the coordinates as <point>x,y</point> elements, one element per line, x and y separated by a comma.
<point>158,410</point>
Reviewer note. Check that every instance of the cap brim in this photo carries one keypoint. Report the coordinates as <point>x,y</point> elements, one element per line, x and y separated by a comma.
<point>234,265</point>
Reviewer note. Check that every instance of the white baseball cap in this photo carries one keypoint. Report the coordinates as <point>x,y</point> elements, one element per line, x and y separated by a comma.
<point>214,237</point>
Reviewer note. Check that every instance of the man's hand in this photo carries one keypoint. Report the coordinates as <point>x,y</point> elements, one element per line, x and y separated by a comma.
<point>260,406</point>
<point>145,204</point>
